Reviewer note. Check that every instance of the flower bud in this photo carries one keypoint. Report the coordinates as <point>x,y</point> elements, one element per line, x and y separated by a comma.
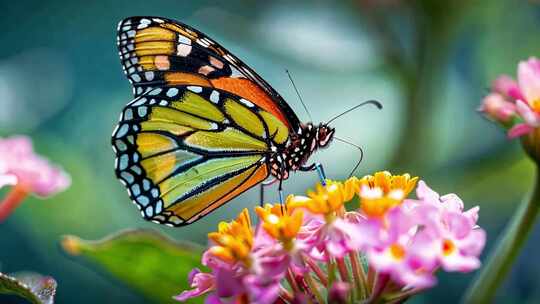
<point>497,108</point>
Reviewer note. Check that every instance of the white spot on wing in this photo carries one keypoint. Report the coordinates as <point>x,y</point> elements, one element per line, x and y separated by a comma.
<point>172,92</point>
<point>183,50</point>
<point>214,96</point>
<point>136,77</point>
<point>247,102</point>
<point>184,39</point>
<point>195,89</point>
<point>149,76</point>
<point>155,92</point>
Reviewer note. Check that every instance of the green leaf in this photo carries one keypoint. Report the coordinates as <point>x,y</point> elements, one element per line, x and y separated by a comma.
<point>153,264</point>
<point>34,287</point>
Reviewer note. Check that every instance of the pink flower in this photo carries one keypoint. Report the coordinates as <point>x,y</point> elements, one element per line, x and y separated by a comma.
<point>521,99</point>
<point>271,259</point>
<point>259,282</point>
<point>396,254</point>
<point>329,239</point>
<point>316,257</point>
<point>201,282</point>
<point>448,234</point>
<point>33,172</point>
<point>28,172</point>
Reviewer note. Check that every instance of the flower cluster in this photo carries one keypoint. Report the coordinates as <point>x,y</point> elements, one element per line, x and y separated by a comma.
<point>358,240</point>
<point>28,172</point>
<point>516,104</point>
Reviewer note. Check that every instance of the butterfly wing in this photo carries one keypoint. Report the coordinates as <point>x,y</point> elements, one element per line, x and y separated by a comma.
<point>183,151</point>
<point>157,52</point>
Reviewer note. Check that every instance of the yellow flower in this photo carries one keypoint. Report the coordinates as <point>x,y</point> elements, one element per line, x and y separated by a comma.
<point>328,199</point>
<point>233,240</point>
<point>283,225</point>
<point>383,191</point>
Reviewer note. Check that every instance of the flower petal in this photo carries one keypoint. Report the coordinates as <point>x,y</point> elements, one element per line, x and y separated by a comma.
<point>457,224</point>
<point>527,113</point>
<point>7,180</point>
<point>460,263</point>
<point>424,192</point>
<point>519,130</point>
<point>529,80</point>
<point>452,202</point>
<point>201,282</point>
<point>508,87</point>
<point>473,243</point>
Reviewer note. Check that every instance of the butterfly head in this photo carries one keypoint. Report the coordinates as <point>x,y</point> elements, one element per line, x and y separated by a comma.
<point>324,135</point>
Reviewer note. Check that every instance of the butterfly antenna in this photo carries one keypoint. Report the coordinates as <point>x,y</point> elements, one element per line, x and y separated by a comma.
<point>357,147</point>
<point>298,94</point>
<point>372,102</point>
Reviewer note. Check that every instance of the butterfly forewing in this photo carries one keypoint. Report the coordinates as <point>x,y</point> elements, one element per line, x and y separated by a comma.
<point>183,151</point>
<point>157,52</point>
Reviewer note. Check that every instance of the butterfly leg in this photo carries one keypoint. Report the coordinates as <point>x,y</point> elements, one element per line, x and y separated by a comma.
<point>280,190</point>
<point>281,201</point>
<point>316,167</point>
<point>265,184</point>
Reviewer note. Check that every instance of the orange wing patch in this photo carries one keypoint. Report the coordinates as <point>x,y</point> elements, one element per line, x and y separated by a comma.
<point>252,92</point>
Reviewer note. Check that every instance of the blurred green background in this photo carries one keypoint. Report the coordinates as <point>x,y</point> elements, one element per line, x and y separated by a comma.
<point>428,62</point>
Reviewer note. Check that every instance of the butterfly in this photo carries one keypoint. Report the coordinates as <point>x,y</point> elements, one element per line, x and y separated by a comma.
<point>203,127</point>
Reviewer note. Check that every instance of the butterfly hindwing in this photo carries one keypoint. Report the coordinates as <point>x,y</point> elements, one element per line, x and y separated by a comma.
<point>183,151</point>
<point>157,52</point>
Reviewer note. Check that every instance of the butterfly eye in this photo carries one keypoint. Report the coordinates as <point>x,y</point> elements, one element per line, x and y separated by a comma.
<point>325,135</point>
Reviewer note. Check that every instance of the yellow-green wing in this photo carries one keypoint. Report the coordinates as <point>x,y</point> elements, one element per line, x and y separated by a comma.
<point>183,151</point>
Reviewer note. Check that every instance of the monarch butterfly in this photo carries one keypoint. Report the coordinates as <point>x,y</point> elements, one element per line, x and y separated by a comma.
<point>203,126</point>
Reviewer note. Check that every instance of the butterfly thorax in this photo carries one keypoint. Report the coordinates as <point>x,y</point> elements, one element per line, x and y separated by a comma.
<point>299,148</point>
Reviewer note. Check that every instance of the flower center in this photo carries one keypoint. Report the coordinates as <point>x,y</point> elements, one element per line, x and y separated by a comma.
<point>535,105</point>
<point>397,251</point>
<point>448,247</point>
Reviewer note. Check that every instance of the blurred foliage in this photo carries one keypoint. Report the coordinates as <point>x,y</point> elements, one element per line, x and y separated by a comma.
<point>145,260</point>
<point>33,287</point>
<point>428,62</point>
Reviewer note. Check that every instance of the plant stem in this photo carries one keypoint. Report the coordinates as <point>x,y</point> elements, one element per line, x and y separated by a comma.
<point>313,288</point>
<point>317,270</point>
<point>380,284</point>
<point>399,297</point>
<point>359,275</point>
<point>292,281</point>
<point>331,269</point>
<point>372,274</point>
<point>14,198</point>
<point>511,242</point>
<point>285,294</point>
<point>343,271</point>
